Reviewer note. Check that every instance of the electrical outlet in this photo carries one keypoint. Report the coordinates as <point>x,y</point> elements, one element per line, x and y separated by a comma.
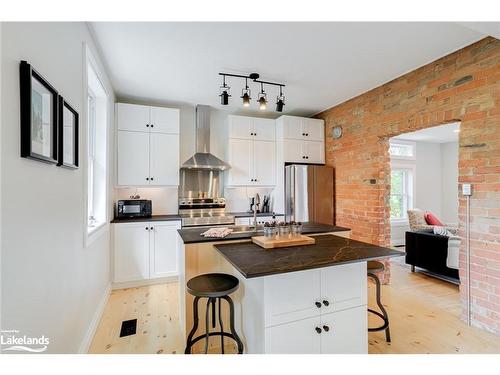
<point>466,189</point>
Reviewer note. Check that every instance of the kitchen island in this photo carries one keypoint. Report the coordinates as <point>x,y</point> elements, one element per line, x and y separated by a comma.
<point>303,299</point>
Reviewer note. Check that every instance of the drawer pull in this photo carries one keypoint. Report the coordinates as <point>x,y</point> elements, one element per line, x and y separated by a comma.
<point>318,304</point>
<point>318,330</point>
<point>326,303</point>
<point>326,328</point>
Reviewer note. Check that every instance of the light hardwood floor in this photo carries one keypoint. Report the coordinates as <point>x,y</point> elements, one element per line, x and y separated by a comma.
<point>423,312</point>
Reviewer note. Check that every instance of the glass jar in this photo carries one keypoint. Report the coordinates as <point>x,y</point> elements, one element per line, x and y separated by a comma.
<point>296,230</point>
<point>284,231</point>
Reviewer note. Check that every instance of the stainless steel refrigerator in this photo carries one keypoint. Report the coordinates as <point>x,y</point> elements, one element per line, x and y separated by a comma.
<point>309,193</point>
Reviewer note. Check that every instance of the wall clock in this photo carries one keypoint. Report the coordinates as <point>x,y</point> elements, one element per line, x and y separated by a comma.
<point>337,132</point>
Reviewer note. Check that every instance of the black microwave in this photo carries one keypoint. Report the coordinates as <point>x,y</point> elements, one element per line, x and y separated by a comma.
<point>134,208</point>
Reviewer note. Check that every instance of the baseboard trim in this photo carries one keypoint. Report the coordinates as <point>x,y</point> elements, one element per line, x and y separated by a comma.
<point>139,283</point>
<point>89,335</point>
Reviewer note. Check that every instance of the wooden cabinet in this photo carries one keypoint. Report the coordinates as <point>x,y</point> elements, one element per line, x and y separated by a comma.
<point>324,310</point>
<point>251,155</point>
<point>145,250</point>
<point>147,145</point>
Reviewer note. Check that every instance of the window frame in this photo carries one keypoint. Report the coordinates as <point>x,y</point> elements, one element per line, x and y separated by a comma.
<point>401,142</point>
<point>410,185</point>
<point>91,234</point>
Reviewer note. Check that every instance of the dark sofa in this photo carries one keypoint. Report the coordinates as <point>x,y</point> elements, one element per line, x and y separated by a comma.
<point>428,251</point>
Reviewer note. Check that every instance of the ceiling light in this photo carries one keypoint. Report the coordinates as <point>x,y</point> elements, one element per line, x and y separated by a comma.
<point>280,101</point>
<point>245,94</point>
<point>224,92</point>
<point>262,98</point>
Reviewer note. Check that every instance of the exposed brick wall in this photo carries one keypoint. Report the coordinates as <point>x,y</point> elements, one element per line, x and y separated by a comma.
<point>463,86</point>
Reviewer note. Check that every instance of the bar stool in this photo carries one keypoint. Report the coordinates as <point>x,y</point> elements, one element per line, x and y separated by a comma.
<point>373,268</point>
<point>214,287</point>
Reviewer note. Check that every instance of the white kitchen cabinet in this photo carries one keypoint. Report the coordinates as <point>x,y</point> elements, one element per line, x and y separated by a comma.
<point>242,221</point>
<point>133,158</point>
<point>164,120</point>
<point>292,296</point>
<point>163,259</point>
<point>264,156</point>
<point>145,250</point>
<point>243,127</point>
<point>298,337</point>
<point>143,118</point>
<point>252,162</point>
<point>307,152</point>
<point>131,255</point>
<point>345,331</point>
<point>343,287</point>
<point>147,145</point>
<point>302,128</point>
<point>164,159</point>
<point>132,117</point>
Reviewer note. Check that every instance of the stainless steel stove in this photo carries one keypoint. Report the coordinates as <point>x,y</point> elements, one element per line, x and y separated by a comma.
<point>196,212</point>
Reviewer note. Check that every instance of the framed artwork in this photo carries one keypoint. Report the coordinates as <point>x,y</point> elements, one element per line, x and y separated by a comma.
<point>68,135</point>
<point>39,113</point>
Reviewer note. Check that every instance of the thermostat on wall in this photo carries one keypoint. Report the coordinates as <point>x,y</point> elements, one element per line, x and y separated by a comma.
<point>466,189</point>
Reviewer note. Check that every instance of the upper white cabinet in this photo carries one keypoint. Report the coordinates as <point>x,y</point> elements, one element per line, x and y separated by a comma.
<point>145,250</point>
<point>303,128</point>
<point>140,118</point>
<point>147,145</point>
<point>243,127</point>
<point>303,139</point>
<point>251,152</point>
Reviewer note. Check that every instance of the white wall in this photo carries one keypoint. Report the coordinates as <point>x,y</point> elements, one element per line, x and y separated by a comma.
<point>51,284</point>
<point>449,169</point>
<point>428,177</point>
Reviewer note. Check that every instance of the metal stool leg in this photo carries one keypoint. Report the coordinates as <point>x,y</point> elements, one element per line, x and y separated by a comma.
<point>221,327</point>
<point>195,326</point>
<point>231,322</point>
<point>207,327</point>
<point>384,314</point>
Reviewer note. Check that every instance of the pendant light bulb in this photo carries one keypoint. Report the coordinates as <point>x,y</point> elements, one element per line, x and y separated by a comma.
<point>262,98</point>
<point>245,95</point>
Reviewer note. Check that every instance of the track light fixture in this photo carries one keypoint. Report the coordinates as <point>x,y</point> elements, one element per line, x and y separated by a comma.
<point>262,98</point>
<point>224,92</point>
<point>280,101</point>
<point>246,92</point>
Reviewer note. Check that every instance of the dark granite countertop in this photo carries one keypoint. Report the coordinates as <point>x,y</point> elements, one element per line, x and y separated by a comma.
<point>250,214</point>
<point>193,235</point>
<point>146,219</point>
<point>253,261</point>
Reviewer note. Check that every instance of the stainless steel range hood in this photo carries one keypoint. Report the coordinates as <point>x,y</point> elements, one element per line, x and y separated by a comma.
<point>203,159</point>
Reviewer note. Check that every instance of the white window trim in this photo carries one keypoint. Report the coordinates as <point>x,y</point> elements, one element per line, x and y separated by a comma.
<point>405,165</point>
<point>406,143</point>
<point>90,235</point>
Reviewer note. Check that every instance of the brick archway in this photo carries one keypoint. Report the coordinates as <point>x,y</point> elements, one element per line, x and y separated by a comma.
<point>463,86</point>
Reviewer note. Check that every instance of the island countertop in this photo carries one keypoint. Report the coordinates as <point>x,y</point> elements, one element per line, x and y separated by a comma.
<point>253,261</point>
<point>193,235</point>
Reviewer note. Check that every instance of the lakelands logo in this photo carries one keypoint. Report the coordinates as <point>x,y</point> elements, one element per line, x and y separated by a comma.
<point>12,341</point>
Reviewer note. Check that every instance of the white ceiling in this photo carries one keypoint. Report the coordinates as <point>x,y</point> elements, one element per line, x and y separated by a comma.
<point>437,134</point>
<point>322,64</point>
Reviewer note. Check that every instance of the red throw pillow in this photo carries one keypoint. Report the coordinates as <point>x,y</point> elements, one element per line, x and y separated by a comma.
<point>432,220</point>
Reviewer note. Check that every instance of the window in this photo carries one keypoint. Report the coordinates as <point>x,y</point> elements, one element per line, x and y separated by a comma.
<point>97,124</point>
<point>401,198</point>
<point>399,149</point>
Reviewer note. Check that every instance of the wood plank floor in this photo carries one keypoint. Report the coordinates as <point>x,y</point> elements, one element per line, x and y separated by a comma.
<point>423,311</point>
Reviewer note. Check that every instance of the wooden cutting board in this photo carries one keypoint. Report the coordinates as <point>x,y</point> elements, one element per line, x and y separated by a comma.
<point>272,243</point>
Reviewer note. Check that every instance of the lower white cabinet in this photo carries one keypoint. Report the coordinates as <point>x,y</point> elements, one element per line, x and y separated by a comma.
<point>342,332</point>
<point>145,250</point>
<point>317,311</point>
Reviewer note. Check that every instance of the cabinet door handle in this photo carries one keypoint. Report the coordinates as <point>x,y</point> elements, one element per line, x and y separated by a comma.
<point>326,303</point>
<point>255,134</point>
<point>147,125</point>
<point>147,228</point>
<point>151,228</point>
<point>151,178</point>
<point>318,304</point>
<point>326,328</point>
<point>318,330</point>
<point>147,178</point>
<point>152,125</point>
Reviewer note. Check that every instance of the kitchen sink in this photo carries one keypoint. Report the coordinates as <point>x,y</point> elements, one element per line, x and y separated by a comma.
<point>240,229</point>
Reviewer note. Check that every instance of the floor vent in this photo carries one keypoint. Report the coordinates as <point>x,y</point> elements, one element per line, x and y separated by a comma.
<point>128,327</point>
